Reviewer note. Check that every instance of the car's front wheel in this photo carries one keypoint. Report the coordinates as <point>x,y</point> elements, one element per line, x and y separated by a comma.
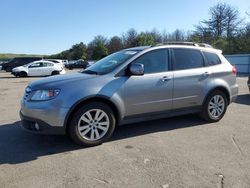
<point>22,74</point>
<point>92,124</point>
<point>215,106</point>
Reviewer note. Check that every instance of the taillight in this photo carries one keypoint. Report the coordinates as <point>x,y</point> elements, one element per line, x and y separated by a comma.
<point>234,70</point>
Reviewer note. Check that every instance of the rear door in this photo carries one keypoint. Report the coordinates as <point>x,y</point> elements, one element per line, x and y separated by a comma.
<point>190,77</point>
<point>47,69</point>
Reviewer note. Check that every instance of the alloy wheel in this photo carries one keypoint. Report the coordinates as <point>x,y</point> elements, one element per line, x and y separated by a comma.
<point>216,106</point>
<point>93,124</point>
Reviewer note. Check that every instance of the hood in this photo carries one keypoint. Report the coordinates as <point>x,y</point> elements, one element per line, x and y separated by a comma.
<point>57,81</point>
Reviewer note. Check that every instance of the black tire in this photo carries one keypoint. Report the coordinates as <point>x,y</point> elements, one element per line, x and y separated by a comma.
<point>22,74</point>
<point>55,73</point>
<point>73,130</point>
<point>8,69</point>
<point>206,115</point>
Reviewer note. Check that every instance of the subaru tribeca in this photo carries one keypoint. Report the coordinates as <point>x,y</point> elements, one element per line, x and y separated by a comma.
<point>132,85</point>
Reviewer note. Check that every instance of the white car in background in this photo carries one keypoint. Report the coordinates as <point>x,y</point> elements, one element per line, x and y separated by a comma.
<point>39,68</point>
<point>62,61</point>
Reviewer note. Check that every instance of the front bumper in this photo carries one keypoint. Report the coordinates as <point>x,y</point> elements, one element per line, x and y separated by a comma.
<point>15,73</point>
<point>40,127</point>
<point>48,116</point>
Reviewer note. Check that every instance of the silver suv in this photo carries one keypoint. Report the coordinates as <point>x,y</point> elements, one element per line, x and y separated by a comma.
<point>132,85</point>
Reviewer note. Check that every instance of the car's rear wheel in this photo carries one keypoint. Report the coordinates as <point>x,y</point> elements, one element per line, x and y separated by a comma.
<point>22,74</point>
<point>55,73</point>
<point>215,106</point>
<point>92,124</point>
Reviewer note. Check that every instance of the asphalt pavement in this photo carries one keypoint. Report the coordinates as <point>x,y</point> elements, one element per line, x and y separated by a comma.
<point>182,151</point>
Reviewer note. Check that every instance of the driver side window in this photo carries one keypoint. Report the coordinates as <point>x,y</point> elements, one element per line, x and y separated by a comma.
<point>154,62</point>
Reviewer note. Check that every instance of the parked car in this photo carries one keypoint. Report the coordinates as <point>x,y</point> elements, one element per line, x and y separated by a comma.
<point>61,61</point>
<point>132,85</point>
<point>77,64</point>
<point>18,61</point>
<point>90,63</point>
<point>38,68</point>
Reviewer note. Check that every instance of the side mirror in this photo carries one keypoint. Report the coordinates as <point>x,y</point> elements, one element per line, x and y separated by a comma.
<point>136,69</point>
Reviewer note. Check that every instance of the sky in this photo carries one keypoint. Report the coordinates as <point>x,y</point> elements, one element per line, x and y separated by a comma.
<point>51,26</point>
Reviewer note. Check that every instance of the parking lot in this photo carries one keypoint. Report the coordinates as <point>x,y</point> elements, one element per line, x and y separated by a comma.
<point>176,152</point>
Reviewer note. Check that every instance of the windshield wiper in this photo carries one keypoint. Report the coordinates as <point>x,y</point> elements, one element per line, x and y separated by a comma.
<point>90,72</point>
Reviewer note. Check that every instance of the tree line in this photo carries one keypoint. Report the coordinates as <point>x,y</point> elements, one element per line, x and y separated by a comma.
<point>224,29</point>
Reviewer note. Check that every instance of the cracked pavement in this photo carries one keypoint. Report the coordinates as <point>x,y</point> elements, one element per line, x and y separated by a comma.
<point>183,151</point>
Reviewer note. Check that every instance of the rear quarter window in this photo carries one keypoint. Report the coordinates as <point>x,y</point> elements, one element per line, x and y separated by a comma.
<point>212,58</point>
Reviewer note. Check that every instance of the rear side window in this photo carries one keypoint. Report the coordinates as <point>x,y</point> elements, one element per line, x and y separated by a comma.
<point>45,64</point>
<point>187,59</point>
<point>154,61</point>
<point>212,58</point>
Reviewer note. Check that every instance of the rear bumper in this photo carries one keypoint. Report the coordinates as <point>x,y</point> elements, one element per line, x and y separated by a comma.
<point>234,93</point>
<point>40,127</point>
<point>233,98</point>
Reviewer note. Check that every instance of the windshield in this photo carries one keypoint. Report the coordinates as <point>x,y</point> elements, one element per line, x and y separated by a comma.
<point>110,63</point>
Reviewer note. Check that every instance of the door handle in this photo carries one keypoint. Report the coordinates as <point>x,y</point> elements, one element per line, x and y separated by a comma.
<point>165,78</point>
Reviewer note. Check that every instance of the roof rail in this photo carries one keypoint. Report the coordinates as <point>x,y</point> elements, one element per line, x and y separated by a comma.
<point>185,44</point>
<point>205,45</point>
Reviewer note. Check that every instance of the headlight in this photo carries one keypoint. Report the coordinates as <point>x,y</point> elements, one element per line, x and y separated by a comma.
<point>43,95</point>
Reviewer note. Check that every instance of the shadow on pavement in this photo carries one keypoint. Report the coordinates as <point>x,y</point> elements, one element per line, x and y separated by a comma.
<point>10,77</point>
<point>243,99</point>
<point>18,146</point>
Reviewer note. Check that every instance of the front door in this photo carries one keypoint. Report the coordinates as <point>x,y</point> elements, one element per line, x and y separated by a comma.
<point>35,69</point>
<point>153,91</point>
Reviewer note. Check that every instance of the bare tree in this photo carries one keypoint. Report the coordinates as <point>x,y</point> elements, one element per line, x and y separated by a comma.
<point>216,23</point>
<point>156,35</point>
<point>129,38</point>
<point>204,34</point>
<point>224,21</point>
<point>232,21</point>
<point>164,36</point>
